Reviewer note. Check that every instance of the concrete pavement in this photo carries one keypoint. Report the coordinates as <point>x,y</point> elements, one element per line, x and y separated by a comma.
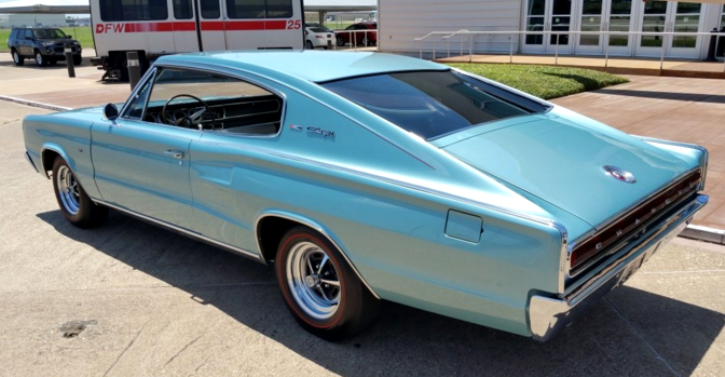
<point>130,299</point>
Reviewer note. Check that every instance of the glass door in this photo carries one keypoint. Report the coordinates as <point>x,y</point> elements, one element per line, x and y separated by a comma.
<point>619,19</point>
<point>548,16</point>
<point>685,19</point>
<point>592,20</point>
<point>654,20</point>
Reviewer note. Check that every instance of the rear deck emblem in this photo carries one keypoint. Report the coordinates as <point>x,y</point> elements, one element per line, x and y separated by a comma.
<point>619,174</point>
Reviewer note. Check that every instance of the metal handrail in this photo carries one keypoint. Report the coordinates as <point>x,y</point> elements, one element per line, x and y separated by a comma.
<point>446,35</point>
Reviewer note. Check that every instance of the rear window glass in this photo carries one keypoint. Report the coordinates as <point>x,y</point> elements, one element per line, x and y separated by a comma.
<point>318,30</point>
<point>433,103</point>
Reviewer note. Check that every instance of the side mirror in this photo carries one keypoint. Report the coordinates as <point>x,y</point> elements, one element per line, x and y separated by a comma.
<point>69,36</point>
<point>110,111</point>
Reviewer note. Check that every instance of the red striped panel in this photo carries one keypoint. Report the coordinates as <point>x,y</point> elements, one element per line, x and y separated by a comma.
<point>243,25</point>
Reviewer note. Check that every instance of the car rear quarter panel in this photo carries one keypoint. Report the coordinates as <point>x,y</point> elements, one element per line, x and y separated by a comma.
<point>67,135</point>
<point>371,197</point>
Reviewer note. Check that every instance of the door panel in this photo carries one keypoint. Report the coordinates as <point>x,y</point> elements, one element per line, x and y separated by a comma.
<point>145,167</point>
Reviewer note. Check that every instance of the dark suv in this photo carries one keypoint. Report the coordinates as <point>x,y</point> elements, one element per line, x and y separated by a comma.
<point>45,45</point>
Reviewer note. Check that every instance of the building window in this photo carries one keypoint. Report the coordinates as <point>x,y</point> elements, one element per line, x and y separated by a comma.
<point>133,10</point>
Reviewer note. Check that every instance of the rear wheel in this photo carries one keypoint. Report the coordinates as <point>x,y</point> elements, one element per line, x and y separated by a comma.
<point>321,290</point>
<point>340,41</point>
<point>309,45</point>
<point>73,201</point>
<point>17,59</point>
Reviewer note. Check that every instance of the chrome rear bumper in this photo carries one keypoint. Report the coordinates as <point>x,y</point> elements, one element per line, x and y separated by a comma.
<point>547,315</point>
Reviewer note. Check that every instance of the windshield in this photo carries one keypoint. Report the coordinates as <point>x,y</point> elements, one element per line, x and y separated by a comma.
<point>49,34</point>
<point>434,103</point>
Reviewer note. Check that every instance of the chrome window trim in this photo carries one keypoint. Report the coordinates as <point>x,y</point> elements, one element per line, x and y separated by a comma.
<point>319,229</point>
<point>348,117</point>
<point>215,70</point>
<point>150,75</point>
<point>183,231</point>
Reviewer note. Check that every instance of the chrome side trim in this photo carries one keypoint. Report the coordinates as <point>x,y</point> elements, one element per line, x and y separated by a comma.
<point>30,161</point>
<point>540,220</point>
<point>183,231</point>
<point>313,225</point>
<point>547,316</point>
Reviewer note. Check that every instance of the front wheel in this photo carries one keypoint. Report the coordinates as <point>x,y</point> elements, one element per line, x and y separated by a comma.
<point>77,60</point>
<point>321,290</point>
<point>74,203</point>
<point>340,41</point>
<point>309,45</point>
<point>40,60</point>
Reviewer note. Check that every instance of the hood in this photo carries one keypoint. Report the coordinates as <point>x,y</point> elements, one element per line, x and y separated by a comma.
<point>563,163</point>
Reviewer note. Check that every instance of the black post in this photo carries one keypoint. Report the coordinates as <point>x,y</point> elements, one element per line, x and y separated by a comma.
<point>134,68</point>
<point>329,44</point>
<point>711,51</point>
<point>69,59</point>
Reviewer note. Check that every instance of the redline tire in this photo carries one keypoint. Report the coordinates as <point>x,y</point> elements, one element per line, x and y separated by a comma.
<point>305,263</point>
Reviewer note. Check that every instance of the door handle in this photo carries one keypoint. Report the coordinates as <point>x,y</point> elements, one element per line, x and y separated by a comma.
<point>174,153</point>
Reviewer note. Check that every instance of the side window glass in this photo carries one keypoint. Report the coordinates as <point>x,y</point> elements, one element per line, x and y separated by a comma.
<point>210,102</point>
<point>136,107</point>
<point>182,9</point>
<point>28,34</point>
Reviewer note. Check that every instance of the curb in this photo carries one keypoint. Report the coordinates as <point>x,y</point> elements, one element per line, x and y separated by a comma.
<point>695,232</point>
<point>703,233</point>
<point>30,103</point>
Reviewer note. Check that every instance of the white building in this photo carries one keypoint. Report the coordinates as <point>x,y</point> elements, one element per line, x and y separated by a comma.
<point>25,20</point>
<point>401,21</point>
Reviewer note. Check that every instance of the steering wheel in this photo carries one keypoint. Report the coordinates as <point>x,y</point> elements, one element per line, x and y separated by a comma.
<point>189,120</point>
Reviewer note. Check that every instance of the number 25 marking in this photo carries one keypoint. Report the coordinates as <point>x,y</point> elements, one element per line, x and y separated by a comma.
<point>296,24</point>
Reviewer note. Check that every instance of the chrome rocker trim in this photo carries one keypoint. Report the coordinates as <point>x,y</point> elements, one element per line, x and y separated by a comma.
<point>183,231</point>
<point>548,316</point>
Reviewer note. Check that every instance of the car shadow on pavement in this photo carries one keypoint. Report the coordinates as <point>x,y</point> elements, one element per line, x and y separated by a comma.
<point>632,332</point>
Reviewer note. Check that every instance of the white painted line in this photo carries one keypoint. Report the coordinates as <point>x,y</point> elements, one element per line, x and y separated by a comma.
<point>28,102</point>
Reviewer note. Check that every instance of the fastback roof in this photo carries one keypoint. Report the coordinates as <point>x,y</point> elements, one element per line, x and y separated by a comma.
<point>315,66</point>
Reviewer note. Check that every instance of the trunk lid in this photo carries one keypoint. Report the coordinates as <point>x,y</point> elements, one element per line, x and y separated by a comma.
<point>563,163</point>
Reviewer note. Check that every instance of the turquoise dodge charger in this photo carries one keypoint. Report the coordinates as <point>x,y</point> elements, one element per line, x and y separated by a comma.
<point>363,177</point>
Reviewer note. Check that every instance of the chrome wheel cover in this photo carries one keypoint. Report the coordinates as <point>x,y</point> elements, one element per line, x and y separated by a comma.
<point>39,58</point>
<point>16,57</point>
<point>313,280</point>
<point>68,190</point>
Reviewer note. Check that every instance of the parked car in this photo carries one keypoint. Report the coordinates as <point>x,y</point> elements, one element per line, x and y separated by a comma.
<point>45,45</point>
<point>364,177</point>
<point>315,24</point>
<point>366,34</point>
<point>316,37</point>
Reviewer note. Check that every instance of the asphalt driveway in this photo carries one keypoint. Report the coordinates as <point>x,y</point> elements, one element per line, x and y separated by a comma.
<point>130,299</point>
